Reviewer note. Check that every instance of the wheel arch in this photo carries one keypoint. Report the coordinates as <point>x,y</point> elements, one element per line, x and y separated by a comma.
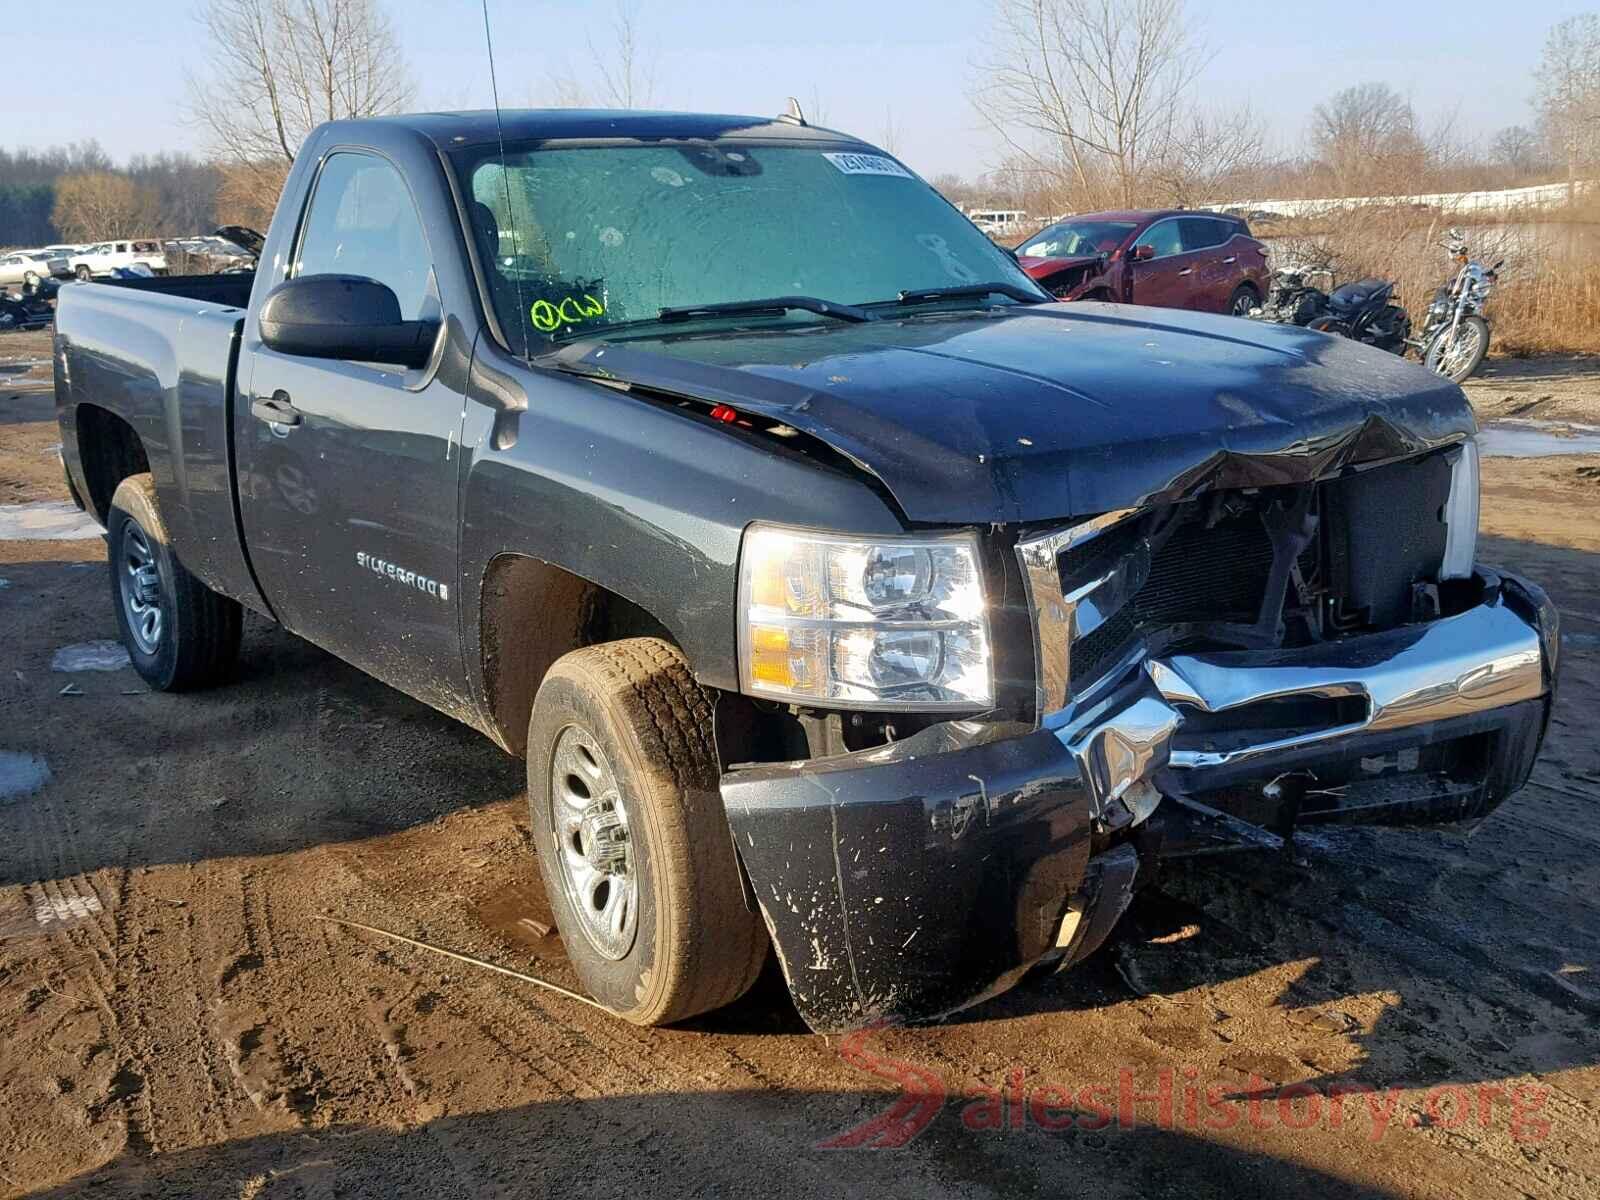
<point>531,612</point>
<point>109,450</point>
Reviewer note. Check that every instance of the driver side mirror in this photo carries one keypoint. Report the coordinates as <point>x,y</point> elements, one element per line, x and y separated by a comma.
<point>1143,252</point>
<point>348,317</point>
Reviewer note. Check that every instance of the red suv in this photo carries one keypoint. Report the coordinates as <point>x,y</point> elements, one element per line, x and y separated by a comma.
<point>1171,258</point>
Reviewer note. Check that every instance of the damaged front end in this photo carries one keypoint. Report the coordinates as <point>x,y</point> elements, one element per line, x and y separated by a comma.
<point>1209,675</point>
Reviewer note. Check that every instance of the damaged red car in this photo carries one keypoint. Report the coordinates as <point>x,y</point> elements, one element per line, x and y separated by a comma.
<point>1170,258</point>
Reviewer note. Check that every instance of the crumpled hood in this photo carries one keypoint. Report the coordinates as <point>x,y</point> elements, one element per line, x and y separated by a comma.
<point>1038,267</point>
<point>1056,411</point>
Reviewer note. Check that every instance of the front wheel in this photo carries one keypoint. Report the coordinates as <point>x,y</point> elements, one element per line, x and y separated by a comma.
<point>179,633</point>
<point>633,843</point>
<point>1457,357</point>
<point>30,280</point>
<point>82,273</point>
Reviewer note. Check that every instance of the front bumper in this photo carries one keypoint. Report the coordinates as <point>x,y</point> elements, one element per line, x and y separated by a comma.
<point>911,880</point>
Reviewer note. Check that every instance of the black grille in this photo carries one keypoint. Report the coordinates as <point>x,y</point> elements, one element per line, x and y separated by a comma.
<point>1208,570</point>
<point>1199,574</point>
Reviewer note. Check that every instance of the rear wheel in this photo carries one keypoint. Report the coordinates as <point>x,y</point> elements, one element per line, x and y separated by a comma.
<point>1457,357</point>
<point>1244,298</point>
<point>632,839</point>
<point>179,633</point>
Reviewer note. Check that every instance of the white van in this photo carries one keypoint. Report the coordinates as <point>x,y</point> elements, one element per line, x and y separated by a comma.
<point>105,257</point>
<point>998,222</point>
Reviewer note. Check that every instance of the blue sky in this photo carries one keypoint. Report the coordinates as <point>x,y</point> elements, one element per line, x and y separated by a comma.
<point>863,58</point>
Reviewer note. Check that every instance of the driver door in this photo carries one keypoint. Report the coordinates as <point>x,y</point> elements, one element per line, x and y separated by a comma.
<point>350,509</point>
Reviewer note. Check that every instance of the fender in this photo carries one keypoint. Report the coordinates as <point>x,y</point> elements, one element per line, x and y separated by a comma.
<point>639,496</point>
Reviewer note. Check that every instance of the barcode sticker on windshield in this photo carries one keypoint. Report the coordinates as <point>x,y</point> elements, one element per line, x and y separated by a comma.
<point>867,164</point>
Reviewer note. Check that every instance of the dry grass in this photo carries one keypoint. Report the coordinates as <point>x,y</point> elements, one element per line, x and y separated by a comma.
<point>1548,297</point>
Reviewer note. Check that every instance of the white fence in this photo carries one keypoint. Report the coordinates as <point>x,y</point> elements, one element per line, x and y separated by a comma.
<point>1505,200</point>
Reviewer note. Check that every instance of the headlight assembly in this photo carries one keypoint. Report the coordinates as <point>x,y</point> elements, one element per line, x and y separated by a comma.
<point>864,622</point>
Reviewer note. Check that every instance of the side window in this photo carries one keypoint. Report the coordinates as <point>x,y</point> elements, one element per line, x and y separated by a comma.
<point>1164,236</point>
<point>1201,233</point>
<point>362,222</point>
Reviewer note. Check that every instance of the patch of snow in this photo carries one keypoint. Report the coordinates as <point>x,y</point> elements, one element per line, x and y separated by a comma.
<point>46,520</point>
<point>21,774</point>
<point>91,656</point>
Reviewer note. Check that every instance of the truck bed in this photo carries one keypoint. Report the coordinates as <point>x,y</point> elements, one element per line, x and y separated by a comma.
<point>232,290</point>
<point>160,354</point>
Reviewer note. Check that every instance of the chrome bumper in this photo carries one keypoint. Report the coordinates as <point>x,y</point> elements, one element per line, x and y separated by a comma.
<point>1486,658</point>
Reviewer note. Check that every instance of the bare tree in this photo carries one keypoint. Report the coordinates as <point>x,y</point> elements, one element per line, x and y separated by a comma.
<point>626,69</point>
<point>1516,148</point>
<point>1367,138</point>
<point>96,205</point>
<point>1089,90</point>
<point>279,68</point>
<point>1569,93</point>
<point>1207,153</point>
<point>817,111</point>
<point>890,140</point>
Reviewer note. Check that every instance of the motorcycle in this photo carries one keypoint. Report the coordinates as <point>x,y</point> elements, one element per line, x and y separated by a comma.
<point>1363,311</point>
<point>1455,336</point>
<point>29,310</point>
<point>1291,300</point>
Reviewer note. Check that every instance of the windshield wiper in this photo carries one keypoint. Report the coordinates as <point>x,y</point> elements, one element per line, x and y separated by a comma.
<point>975,291</point>
<point>776,306</point>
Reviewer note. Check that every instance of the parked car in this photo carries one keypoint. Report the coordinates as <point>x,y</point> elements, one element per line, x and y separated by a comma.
<point>30,267</point>
<point>231,248</point>
<point>998,222</point>
<point>1172,258</point>
<point>841,590</point>
<point>104,257</point>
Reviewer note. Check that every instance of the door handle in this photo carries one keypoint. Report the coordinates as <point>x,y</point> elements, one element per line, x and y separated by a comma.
<point>1230,260</point>
<point>1187,271</point>
<point>277,410</point>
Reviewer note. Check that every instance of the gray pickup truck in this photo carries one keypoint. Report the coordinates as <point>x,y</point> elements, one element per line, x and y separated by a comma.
<point>845,594</point>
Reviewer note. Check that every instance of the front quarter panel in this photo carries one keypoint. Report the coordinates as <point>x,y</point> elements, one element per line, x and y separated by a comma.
<point>639,496</point>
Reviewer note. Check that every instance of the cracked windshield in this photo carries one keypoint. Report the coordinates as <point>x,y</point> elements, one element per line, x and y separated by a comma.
<point>579,240</point>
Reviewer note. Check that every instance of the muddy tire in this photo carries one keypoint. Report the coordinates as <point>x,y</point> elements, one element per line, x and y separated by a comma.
<point>632,839</point>
<point>179,633</point>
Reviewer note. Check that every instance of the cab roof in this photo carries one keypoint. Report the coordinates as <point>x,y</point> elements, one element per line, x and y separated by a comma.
<point>454,130</point>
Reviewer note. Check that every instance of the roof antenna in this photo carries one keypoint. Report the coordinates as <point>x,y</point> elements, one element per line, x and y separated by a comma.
<point>505,181</point>
<point>793,115</point>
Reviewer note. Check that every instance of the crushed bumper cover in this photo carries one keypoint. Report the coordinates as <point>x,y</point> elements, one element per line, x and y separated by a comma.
<point>915,879</point>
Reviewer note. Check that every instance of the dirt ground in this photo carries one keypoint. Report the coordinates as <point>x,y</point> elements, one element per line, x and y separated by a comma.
<point>1399,1013</point>
<point>1553,387</point>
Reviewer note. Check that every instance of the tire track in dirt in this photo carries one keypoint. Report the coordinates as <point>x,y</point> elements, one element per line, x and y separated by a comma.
<point>1438,991</point>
